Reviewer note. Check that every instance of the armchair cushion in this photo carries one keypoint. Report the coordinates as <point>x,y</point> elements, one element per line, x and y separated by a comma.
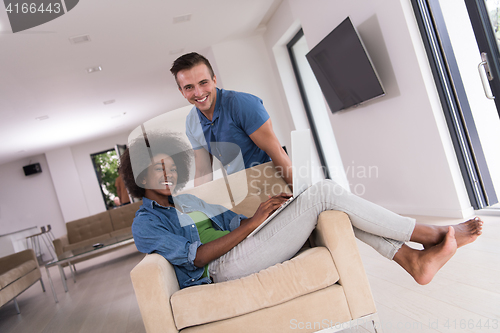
<point>13,260</point>
<point>310,271</point>
<point>154,283</point>
<point>17,272</point>
<point>123,216</point>
<point>309,313</point>
<point>331,231</point>
<point>89,227</point>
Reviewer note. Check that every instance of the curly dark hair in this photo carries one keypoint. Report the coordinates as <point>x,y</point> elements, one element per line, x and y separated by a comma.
<point>188,61</point>
<point>136,159</point>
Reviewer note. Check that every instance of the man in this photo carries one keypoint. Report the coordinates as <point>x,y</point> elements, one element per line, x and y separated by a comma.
<point>121,190</point>
<point>221,119</point>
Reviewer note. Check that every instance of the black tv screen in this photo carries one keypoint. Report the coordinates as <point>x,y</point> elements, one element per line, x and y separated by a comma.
<point>343,69</point>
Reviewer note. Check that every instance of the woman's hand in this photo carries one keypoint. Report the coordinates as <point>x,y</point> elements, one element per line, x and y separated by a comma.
<point>214,249</point>
<point>267,208</point>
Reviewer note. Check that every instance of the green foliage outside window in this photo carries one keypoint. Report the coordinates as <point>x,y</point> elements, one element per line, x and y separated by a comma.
<point>494,11</point>
<point>106,165</point>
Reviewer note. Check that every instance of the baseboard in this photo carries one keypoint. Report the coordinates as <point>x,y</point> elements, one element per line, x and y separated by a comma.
<point>437,212</point>
<point>488,211</point>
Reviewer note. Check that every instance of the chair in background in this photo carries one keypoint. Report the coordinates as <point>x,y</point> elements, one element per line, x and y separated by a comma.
<point>49,234</point>
<point>33,242</point>
<point>18,272</point>
<point>48,239</point>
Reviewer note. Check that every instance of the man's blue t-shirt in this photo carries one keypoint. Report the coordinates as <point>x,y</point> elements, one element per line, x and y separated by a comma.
<point>236,116</point>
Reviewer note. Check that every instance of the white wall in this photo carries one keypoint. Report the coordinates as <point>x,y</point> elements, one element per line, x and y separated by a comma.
<point>396,150</point>
<point>67,184</point>
<point>244,65</point>
<point>281,29</point>
<point>28,201</point>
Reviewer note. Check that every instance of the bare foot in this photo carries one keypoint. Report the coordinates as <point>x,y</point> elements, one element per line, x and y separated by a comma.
<point>423,265</point>
<point>465,233</point>
<point>468,231</point>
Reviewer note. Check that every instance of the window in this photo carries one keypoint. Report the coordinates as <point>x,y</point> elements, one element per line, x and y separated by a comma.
<point>298,49</point>
<point>317,113</point>
<point>455,104</point>
<point>106,169</point>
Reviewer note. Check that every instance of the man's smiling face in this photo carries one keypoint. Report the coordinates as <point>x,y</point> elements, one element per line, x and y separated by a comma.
<point>199,88</point>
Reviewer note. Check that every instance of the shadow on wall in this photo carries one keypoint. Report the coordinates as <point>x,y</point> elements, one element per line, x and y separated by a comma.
<point>372,37</point>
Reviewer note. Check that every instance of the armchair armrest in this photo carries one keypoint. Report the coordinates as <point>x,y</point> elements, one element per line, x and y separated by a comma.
<point>154,281</point>
<point>60,243</point>
<point>13,260</point>
<point>334,231</point>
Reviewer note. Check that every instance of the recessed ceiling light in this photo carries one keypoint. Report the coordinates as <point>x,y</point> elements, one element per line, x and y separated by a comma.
<point>42,118</point>
<point>94,69</point>
<point>119,115</point>
<point>79,39</point>
<point>182,18</point>
<point>111,101</point>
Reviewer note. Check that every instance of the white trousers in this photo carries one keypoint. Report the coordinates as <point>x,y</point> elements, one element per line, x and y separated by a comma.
<point>283,236</point>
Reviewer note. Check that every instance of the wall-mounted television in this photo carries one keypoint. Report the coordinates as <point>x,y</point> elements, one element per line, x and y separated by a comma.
<point>344,69</point>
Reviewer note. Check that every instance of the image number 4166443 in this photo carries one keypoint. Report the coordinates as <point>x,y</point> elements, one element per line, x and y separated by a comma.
<point>33,8</point>
<point>26,14</point>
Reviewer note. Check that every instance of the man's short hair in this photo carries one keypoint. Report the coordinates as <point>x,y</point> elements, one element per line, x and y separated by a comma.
<point>188,61</point>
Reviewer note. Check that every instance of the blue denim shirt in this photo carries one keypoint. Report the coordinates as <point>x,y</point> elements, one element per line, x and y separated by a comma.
<point>172,233</point>
<point>236,116</point>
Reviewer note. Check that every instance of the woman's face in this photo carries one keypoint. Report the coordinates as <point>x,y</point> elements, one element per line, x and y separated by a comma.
<point>161,177</point>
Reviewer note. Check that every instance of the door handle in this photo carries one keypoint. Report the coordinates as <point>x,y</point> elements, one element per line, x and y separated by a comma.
<point>484,64</point>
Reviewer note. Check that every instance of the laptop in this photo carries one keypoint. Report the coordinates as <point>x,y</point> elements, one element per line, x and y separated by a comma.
<point>301,162</point>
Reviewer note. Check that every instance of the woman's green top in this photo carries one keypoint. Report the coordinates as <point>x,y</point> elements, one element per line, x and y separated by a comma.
<point>206,231</point>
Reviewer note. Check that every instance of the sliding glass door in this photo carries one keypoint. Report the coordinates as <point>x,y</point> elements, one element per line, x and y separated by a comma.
<point>454,100</point>
<point>485,19</point>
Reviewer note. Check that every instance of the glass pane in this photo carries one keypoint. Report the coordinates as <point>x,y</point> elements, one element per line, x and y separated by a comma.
<point>106,168</point>
<point>493,7</point>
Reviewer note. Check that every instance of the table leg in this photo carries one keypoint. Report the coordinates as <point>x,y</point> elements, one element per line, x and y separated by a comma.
<point>72,272</point>
<point>63,278</point>
<point>51,285</point>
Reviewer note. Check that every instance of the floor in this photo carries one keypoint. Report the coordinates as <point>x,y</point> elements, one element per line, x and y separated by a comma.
<point>101,300</point>
<point>463,297</point>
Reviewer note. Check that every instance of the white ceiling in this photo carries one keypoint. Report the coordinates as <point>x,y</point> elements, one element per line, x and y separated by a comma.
<point>43,74</point>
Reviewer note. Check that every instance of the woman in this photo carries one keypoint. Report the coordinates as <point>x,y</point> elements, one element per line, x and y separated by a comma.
<point>208,243</point>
